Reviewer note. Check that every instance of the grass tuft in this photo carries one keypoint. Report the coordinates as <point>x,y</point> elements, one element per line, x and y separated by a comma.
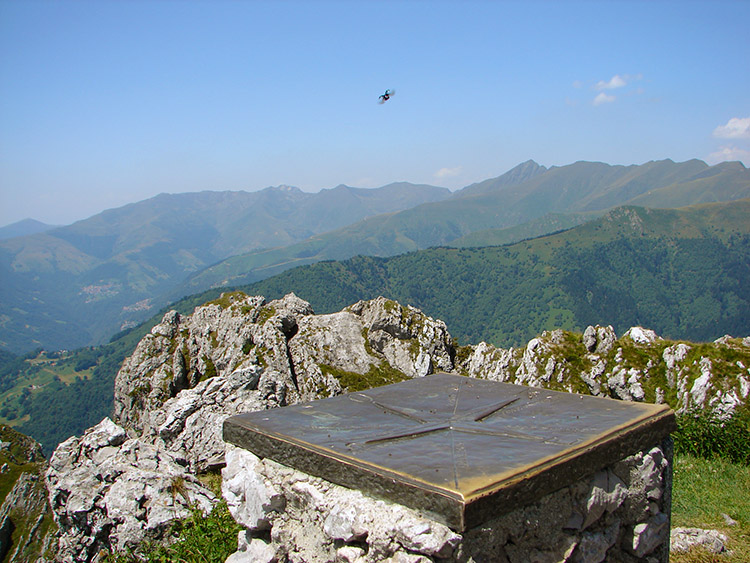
<point>199,538</point>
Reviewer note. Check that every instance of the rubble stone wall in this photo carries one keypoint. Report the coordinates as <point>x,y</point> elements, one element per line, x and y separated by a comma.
<point>620,513</point>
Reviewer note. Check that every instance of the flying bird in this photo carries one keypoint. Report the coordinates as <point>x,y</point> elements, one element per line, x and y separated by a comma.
<point>383,98</point>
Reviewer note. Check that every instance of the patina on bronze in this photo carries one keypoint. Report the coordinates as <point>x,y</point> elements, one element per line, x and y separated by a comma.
<point>459,449</point>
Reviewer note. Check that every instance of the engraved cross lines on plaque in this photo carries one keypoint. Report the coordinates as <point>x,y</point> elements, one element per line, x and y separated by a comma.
<point>474,421</point>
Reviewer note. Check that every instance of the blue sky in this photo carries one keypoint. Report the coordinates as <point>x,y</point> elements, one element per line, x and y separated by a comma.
<point>107,103</point>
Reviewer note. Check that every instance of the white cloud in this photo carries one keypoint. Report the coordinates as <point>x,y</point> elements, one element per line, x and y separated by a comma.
<point>616,81</point>
<point>448,172</point>
<point>603,98</point>
<point>736,128</point>
<point>729,153</point>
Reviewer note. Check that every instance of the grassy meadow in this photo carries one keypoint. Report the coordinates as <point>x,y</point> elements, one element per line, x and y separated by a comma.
<point>705,490</point>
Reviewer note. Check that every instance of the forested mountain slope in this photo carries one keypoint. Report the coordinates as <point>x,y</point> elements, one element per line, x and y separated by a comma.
<point>681,272</point>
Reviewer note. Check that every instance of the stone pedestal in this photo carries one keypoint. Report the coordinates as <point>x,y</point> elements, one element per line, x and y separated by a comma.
<point>452,469</point>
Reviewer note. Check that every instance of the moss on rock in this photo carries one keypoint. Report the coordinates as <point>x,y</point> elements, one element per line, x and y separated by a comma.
<point>225,300</point>
<point>376,376</point>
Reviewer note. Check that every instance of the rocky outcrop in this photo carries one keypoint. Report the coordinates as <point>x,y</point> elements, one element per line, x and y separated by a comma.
<point>233,333</point>
<point>110,492</point>
<point>640,366</point>
<point>684,539</point>
<point>188,425</point>
<point>25,516</point>
<point>240,354</point>
<point>599,340</point>
<point>371,342</point>
<point>124,480</point>
<point>309,356</point>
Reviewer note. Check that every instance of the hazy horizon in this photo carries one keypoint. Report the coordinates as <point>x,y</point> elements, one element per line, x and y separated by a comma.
<point>285,185</point>
<point>105,104</point>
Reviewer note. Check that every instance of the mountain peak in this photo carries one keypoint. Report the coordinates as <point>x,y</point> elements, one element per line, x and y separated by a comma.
<point>516,175</point>
<point>24,227</point>
<point>287,189</point>
<point>524,171</point>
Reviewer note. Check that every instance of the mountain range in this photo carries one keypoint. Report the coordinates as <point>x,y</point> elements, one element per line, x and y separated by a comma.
<point>529,200</point>
<point>77,285</point>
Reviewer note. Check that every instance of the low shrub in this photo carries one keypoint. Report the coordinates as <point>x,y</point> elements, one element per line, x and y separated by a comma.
<point>705,435</point>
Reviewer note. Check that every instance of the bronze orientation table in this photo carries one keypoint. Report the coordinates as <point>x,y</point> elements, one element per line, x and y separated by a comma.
<point>461,450</point>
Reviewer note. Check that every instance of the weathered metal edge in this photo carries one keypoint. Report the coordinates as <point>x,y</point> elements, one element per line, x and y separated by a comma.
<point>551,475</point>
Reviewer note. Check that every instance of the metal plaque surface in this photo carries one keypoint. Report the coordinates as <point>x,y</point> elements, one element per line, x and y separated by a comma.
<point>460,449</point>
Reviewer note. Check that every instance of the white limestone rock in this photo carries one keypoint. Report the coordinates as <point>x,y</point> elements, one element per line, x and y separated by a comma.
<point>589,338</point>
<point>312,518</point>
<point>593,547</point>
<point>487,362</point>
<point>293,353</point>
<point>648,536</point>
<point>23,513</point>
<point>350,554</point>
<point>599,339</point>
<point>234,333</point>
<point>607,494</point>
<point>252,550</point>
<point>406,557</point>
<point>724,403</point>
<point>641,335</point>
<point>425,536</point>
<point>342,524</point>
<point>320,521</point>
<point>683,539</point>
<point>368,336</point>
<point>744,387</point>
<point>403,334</point>
<point>106,493</point>
<point>530,372</point>
<point>250,498</point>
<point>701,386</point>
<point>673,356</point>
<point>189,425</point>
